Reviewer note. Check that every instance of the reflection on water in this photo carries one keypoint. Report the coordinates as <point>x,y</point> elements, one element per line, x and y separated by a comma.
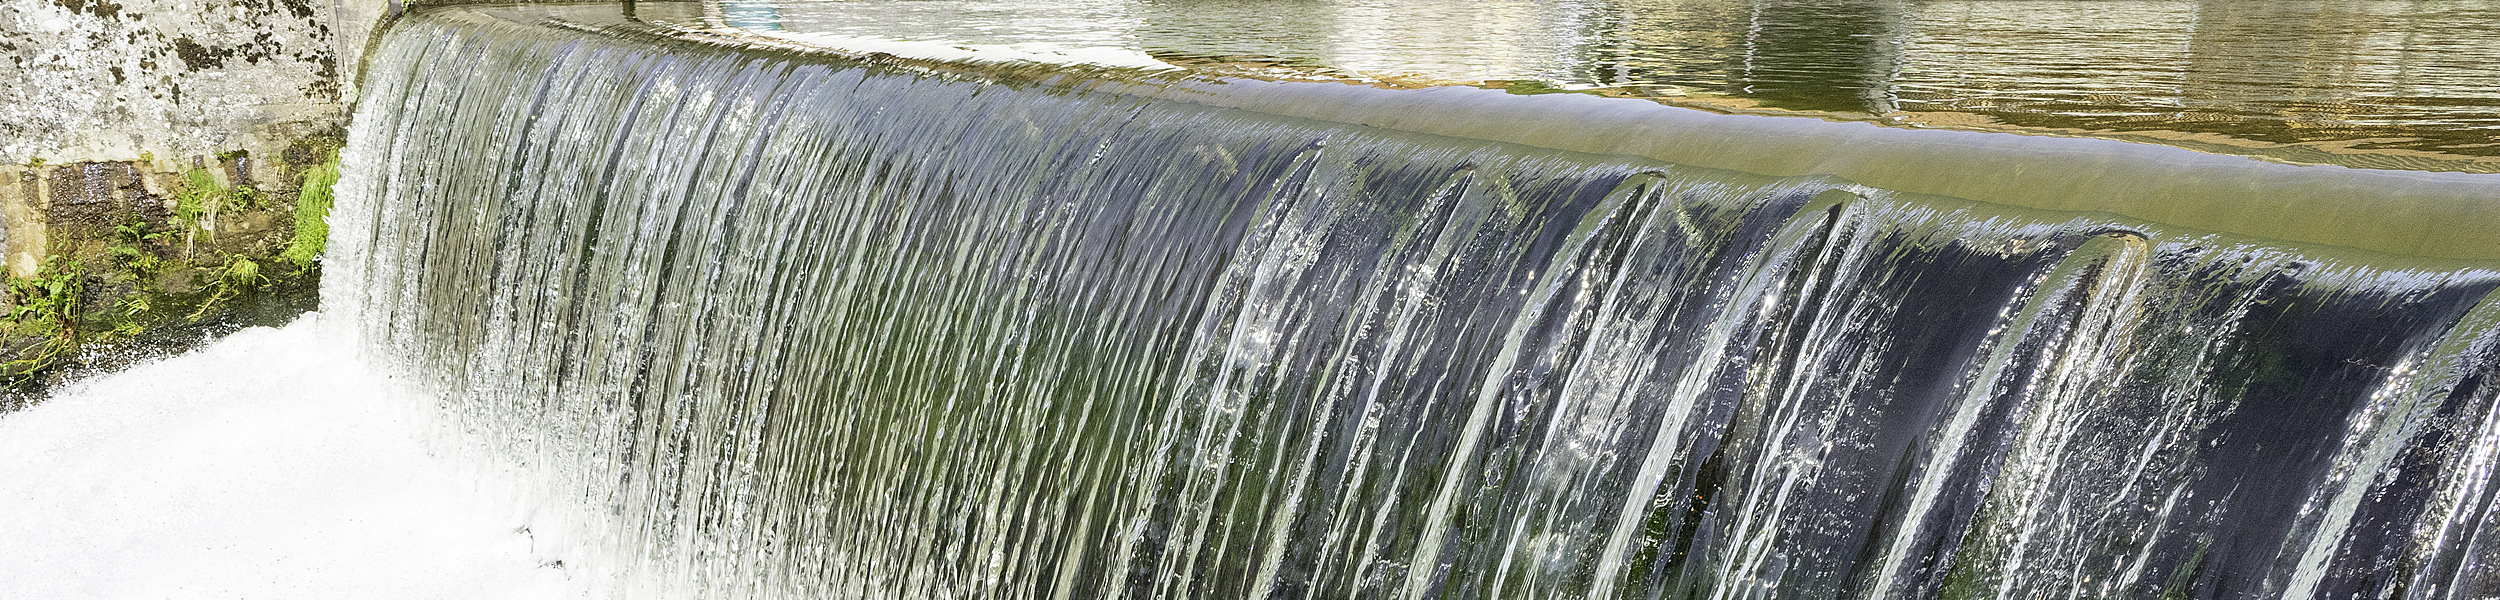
<point>2406,78</point>
<point>2394,75</point>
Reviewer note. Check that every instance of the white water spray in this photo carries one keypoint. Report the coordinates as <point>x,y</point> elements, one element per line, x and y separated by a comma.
<point>266,465</point>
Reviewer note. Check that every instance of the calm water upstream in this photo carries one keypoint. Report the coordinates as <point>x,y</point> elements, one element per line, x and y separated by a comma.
<point>2372,83</point>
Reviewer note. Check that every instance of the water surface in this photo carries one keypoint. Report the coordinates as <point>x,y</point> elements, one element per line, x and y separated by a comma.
<point>2376,84</point>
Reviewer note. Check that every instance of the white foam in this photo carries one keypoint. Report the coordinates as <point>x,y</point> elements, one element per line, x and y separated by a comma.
<point>265,465</point>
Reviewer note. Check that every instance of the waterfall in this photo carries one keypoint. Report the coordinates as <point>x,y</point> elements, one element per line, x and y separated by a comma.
<point>773,324</point>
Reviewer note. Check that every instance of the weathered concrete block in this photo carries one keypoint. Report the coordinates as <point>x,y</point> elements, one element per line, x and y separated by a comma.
<point>153,85</point>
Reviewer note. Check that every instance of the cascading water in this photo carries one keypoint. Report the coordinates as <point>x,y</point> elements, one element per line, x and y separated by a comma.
<point>770,324</point>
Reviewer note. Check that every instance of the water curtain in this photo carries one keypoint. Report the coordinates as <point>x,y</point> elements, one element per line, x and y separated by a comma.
<point>772,324</point>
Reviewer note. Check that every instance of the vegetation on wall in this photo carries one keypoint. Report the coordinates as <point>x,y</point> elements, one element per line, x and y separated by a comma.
<point>312,209</point>
<point>44,317</point>
<point>154,267</point>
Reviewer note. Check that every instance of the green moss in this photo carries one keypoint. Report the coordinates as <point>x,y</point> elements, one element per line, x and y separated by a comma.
<point>148,283</point>
<point>240,276</point>
<point>312,211</point>
<point>1530,87</point>
<point>2182,580</point>
<point>134,249</point>
<point>45,307</point>
<point>192,199</point>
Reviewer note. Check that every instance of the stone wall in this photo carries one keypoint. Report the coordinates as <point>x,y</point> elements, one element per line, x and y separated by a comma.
<point>151,155</point>
<point>109,101</point>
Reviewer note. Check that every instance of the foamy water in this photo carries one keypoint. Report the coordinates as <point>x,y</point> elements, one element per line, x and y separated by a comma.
<point>266,465</point>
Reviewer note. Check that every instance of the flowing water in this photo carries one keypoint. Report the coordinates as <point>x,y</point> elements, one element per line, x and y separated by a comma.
<point>775,324</point>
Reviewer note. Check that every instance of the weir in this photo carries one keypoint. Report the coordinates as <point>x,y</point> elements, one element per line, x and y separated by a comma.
<point>779,323</point>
